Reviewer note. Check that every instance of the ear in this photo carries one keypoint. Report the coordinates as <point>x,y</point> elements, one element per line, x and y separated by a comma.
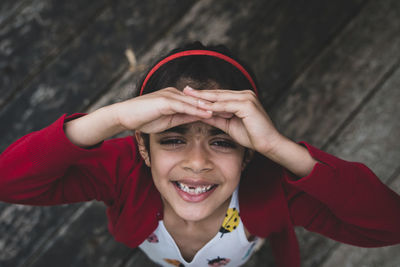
<point>248,156</point>
<point>142,148</point>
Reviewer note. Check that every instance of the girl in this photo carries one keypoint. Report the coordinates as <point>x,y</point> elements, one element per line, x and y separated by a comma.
<point>206,176</point>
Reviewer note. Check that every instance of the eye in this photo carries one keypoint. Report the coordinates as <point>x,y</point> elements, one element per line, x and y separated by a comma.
<point>223,144</point>
<point>172,142</point>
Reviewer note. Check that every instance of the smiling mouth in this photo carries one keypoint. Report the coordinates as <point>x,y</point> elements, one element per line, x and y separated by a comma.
<point>195,190</point>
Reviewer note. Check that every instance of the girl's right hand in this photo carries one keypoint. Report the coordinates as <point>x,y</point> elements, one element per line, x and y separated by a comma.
<point>160,110</point>
<point>150,113</point>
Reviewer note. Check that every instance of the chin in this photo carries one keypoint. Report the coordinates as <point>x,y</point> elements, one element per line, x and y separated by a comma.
<point>191,213</point>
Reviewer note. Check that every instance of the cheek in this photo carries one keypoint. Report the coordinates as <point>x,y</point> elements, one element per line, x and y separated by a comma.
<point>162,165</point>
<point>231,167</point>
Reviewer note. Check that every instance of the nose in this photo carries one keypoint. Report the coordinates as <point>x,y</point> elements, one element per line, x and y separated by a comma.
<point>197,159</point>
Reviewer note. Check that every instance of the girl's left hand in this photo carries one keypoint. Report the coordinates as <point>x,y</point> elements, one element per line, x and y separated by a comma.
<point>240,115</point>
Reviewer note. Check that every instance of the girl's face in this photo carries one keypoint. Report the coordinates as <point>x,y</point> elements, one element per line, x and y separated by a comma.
<point>196,168</point>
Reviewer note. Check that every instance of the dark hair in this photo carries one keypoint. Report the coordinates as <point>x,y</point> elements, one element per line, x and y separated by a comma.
<point>200,72</point>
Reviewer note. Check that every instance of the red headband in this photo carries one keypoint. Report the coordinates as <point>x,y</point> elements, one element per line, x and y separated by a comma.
<point>197,53</point>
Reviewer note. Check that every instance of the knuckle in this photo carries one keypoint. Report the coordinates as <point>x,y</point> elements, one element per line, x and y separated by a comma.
<point>251,93</point>
<point>170,90</point>
<point>164,101</point>
<point>219,96</point>
<point>167,89</point>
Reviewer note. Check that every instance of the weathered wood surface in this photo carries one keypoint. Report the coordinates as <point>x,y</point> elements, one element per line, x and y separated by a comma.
<point>83,240</point>
<point>9,8</point>
<point>331,65</point>
<point>344,75</point>
<point>36,35</point>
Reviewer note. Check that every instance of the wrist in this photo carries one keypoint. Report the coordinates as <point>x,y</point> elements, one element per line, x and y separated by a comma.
<point>272,149</point>
<point>292,156</point>
<point>115,120</point>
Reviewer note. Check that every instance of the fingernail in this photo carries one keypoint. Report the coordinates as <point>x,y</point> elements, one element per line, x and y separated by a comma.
<point>209,111</point>
<point>188,87</point>
<point>200,102</point>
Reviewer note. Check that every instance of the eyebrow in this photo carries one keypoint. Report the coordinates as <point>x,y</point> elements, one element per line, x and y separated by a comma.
<point>183,129</point>
<point>216,131</point>
<point>180,129</point>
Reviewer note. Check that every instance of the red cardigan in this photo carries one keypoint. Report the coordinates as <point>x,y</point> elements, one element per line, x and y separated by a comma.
<point>339,199</point>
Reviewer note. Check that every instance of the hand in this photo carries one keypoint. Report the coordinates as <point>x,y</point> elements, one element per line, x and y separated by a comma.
<point>158,111</point>
<point>150,113</point>
<point>240,115</point>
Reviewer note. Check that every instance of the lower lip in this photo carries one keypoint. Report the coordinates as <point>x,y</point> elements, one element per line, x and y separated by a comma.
<point>193,198</point>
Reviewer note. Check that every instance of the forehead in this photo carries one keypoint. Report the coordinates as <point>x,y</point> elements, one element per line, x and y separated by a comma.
<point>195,128</point>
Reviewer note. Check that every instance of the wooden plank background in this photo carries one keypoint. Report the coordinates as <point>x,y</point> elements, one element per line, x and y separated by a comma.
<point>328,71</point>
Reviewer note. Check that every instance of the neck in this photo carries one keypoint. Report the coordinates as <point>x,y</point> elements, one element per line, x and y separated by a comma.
<point>190,236</point>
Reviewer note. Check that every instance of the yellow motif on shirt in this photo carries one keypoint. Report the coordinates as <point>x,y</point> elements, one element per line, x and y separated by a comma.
<point>231,221</point>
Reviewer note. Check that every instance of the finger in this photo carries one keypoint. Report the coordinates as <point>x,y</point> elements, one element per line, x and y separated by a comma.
<point>173,106</point>
<point>240,109</point>
<point>220,94</point>
<point>174,93</point>
<point>191,91</point>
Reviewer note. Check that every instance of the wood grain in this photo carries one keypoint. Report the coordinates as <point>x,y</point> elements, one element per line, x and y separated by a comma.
<point>35,36</point>
<point>9,8</point>
<point>26,229</point>
<point>334,86</point>
<point>82,241</point>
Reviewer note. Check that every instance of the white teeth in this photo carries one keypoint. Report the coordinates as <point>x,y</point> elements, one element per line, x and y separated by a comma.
<point>194,191</point>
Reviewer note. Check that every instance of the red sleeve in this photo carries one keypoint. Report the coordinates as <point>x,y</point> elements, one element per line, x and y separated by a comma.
<point>344,201</point>
<point>45,168</point>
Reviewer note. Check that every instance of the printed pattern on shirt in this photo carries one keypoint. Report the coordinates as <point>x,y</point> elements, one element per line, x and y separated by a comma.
<point>152,238</point>
<point>218,262</point>
<point>230,222</point>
